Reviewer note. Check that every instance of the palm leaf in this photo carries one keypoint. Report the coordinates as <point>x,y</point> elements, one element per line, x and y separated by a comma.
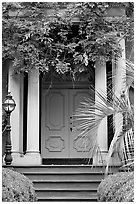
<point>92,112</point>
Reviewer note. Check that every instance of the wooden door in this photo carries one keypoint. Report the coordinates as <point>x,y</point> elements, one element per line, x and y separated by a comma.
<point>80,147</point>
<point>59,135</point>
<point>54,129</point>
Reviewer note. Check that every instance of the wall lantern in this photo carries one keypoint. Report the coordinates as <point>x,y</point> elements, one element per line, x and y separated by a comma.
<point>8,106</point>
<point>76,20</point>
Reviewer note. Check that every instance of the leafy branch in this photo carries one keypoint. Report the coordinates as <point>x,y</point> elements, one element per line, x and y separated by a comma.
<point>34,38</point>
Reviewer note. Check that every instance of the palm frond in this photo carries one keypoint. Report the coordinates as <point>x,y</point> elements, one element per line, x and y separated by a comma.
<point>92,112</point>
<point>125,140</point>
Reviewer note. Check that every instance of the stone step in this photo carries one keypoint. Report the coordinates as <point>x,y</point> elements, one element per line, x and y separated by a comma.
<point>78,193</point>
<point>67,199</point>
<point>65,168</point>
<point>67,184</point>
<point>64,176</point>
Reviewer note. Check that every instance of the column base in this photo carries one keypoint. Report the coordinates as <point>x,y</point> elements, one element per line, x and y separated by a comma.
<point>30,159</point>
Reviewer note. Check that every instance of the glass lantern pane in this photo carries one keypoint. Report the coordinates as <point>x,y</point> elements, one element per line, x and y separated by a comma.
<point>5,107</point>
<point>9,105</point>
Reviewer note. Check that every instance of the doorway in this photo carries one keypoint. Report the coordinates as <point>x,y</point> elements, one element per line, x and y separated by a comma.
<point>60,137</point>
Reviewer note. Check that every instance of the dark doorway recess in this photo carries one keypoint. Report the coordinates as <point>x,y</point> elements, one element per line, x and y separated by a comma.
<point>25,112</point>
<point>109,95</point>
<point>75,161</point>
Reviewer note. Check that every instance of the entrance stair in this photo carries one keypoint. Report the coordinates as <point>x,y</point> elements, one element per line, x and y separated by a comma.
<point>65,182</point>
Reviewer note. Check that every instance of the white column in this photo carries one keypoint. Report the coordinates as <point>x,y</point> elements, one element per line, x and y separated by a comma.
<point>21,113</point>
<point>32,153</point>
<point>120,71</point>
<point>119,82</point>
<point>15,87</point>
<point>101,86</point>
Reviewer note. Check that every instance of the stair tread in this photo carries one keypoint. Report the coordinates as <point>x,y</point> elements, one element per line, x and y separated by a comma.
<point>62,173</point>
<point>66,181</point>
<point>62,189</point>
<point>69,198</point>
<point>65,165</point>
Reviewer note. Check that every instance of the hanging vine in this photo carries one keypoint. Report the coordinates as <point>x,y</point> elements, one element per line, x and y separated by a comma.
<point>45,35</point>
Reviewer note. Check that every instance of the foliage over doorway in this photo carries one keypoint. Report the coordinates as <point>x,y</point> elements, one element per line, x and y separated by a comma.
<point>58,36</point>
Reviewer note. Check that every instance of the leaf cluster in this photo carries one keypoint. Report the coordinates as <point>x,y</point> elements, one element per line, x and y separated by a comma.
<point>44,35</point>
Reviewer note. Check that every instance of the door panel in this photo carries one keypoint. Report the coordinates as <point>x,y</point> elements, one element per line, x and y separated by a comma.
<point>54,124</point>
<point>80,147</point>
